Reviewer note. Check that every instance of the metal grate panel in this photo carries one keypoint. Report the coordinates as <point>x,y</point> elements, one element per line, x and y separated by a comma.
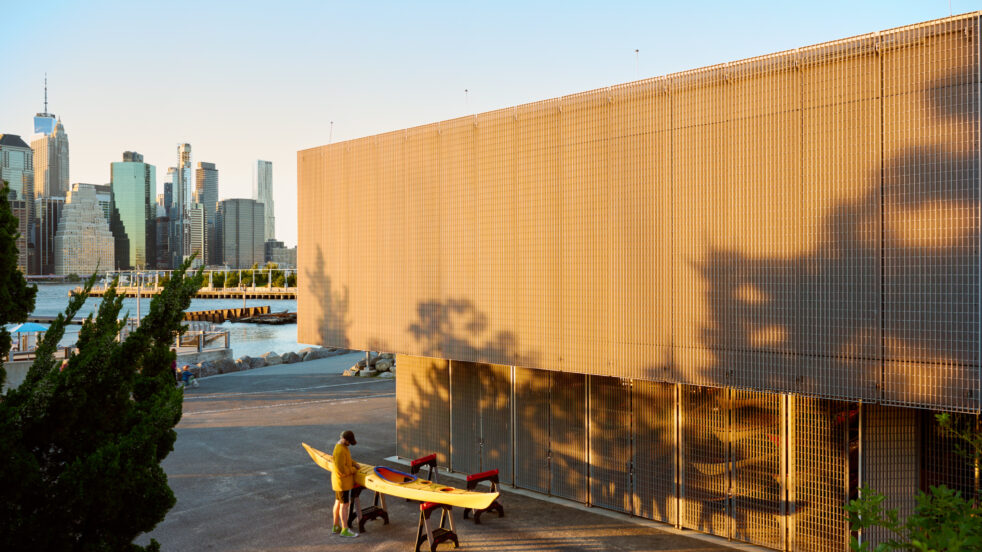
<point>423,404</point>
<point>891,460</point>
<point>496,434</point>
<point>756,434</point>
<point>819,465</point>
<point>532,429</point>
<point>705,466</point>
<point>610,443</point>
<point>655,450</point>
<point>568,436</point>
<point>465,416</point>
<point>942,463</point>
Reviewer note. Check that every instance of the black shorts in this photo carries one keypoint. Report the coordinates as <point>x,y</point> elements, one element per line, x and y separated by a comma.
<point>342,496</point>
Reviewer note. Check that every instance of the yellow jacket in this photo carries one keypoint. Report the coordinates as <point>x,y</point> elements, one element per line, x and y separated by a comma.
<point>343,476</point>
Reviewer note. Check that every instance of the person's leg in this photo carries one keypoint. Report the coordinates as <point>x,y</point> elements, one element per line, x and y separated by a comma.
<point>337,514</point>
<point>345,510</point>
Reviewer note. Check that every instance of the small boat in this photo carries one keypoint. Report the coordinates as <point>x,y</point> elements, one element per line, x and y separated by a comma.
<point>396,483</point>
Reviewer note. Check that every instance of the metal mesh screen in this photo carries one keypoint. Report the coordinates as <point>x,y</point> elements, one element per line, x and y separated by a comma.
<point>705,469</point>
<point>423,405</point>
<point>496,434</point>
<point>819,457</point>
<point>610,443</point>
<point>655,447</point>
<point>891,460</point>
<point>532,429</point>
<point>568,436</point>
<point>942,463</point>
<point>465,416</point>
<point>756,434</point>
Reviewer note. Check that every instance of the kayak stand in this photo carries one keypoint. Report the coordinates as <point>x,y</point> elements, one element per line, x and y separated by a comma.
<point>424,461</point>
<point>375,511</point>
<point>439,534</point>
<point>472,482</point>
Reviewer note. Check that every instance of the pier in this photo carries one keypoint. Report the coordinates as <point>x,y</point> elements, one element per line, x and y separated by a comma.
<point>203,293</point>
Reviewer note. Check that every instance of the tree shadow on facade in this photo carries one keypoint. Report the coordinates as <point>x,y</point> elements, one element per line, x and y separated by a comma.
<point>332,305</point>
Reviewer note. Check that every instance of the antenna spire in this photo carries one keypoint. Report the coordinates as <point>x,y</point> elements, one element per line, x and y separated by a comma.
<point>45,92</point>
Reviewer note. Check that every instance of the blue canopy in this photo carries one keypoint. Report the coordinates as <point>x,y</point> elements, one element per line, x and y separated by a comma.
<point>29,327</point>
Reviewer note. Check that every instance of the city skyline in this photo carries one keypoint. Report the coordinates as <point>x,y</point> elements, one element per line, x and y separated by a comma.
<point>366,74</point>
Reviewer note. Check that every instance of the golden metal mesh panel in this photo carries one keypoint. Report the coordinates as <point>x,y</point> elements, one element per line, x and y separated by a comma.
<point>655,436</point>
<point>756,434</point>
<point>496,421</point>
<point>705,473</point>
<point>423,407</point>
<point>465,416</point>
<point>568,436</point>
<point>942,464</point>
<point>891,460</point>
<point>804,222</point>
<point>610,443</point>
<point>532,429</point>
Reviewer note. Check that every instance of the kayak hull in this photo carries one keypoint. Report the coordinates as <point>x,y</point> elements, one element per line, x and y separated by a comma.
<point>383,481</point>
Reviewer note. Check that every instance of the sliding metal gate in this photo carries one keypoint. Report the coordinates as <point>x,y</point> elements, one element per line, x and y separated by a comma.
<point>655,434</point>
<point>610,443</point>
<point>532,428</point>
<point>423,407</point>
<point>568,439</point>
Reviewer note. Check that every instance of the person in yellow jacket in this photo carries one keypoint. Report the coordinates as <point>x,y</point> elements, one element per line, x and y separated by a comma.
<point>343,480</point>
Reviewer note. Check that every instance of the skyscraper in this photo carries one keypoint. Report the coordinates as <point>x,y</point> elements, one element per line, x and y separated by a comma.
<point>240,232</point>
<point>206,194</point>
<point>44,123</point>
<point>199,235</point>
<point>51,162</point>
<point>48,213</point>
<point>180,223</point>
<point>134,191</point>
<point>83,242</point>
<point>262,191</point>
<point>17,169</point>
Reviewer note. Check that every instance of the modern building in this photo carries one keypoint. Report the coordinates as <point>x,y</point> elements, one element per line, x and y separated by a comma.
<point>44,123</point>
<point>183,184</point>
<point>47,216</point>
<point>104,195</point>
<point>269,246</point>
<point>724,299</point>
<point>262,191</point>
<point>199,235</point>
<point>240,232</point>
<point>84,242</point>
<point>284,257</point>
<point>206,194</point>
<point>134,216</point>
<point>18,208</point>
<point>162,224</point>
<point>17,170</point>
<point>51,162</point>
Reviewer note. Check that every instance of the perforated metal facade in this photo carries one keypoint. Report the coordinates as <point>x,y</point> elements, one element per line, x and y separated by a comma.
<point>804,222</point>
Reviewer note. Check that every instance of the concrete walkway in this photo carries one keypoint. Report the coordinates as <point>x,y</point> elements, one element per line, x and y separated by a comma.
<point>243,482</point>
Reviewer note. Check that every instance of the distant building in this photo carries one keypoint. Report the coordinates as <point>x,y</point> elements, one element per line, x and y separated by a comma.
<point>240,232</point>
<point>199,239</point>
<point>104,194</point>
<point>18,207</point>
<point>162,224</point>
<point>17,170</point>
<point>47,215</point>
<point>44,123</point>
<point>51,162</point>
<point>133,223</point>
<point>84,241</point>
<point>269,246</point>
<point>262,191</point>
<point>206,194</point>
<point>284,257</point>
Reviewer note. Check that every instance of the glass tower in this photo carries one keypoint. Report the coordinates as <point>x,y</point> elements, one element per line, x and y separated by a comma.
<point>134,187</point>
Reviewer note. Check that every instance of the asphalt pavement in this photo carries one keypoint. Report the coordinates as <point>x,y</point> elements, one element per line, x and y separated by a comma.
<point>243,482</point>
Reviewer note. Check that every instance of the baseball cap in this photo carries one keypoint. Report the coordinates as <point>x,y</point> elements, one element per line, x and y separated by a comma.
<point>349,436</point>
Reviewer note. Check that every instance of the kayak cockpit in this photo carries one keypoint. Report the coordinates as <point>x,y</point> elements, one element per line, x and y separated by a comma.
<point>394,476</point>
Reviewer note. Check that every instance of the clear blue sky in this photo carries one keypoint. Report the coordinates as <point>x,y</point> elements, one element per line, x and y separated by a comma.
<point>247,80</point>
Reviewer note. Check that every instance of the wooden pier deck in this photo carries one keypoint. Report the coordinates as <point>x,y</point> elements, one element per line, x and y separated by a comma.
<point>207,293</point>
<point>259,315</point>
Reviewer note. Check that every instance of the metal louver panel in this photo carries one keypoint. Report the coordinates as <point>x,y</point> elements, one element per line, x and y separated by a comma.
<point>705,469</point>
<point>819,467</point>
<point>496,421</point>
<point>758,474</point>
<point>465,419</point>
<point>610,443</point>
<point>567,439</point>
<point>890,460</point>
<point>423,403</point>
<point>655,446</point>
<point>532,429</point>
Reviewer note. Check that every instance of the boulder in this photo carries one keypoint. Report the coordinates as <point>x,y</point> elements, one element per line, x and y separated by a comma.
<point>207,368</point>
<point>389,356</point>
<point>272,359</point>
<point>368,373</point>
<point>372,361</point>
<point>257,362</point>
<point>387,375</point>
<point>240,366</point>
<point>316,354</point>
<point>290,357</point>
<point>303,352</point>
<point>383,365</point>
<point>362,363</point>
<point>224,366</point>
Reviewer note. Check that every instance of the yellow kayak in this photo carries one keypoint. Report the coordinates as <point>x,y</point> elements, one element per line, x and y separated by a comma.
<point>403,485</point>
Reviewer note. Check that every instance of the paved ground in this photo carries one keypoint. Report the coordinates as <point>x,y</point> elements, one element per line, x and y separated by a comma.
<point>244,483</point>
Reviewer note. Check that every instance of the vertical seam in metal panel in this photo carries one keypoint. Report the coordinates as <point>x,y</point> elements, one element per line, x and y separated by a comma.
<point>450,444</point>
<point>588,448</point>
<point>783,452</point>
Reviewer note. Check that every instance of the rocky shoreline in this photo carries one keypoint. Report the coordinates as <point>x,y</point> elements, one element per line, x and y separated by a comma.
<point>227,365</point>
<point>381,366</point>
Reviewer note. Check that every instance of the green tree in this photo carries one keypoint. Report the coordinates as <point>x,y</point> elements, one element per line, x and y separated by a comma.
<point>291,280</point>
<point>218,280</point>
<point>232,279</point>
<point>82,446</point>
<point>942,518</point>
<point>16,297</point>
<point>246,280</point>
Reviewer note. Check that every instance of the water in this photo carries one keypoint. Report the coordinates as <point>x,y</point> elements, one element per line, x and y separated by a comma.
<point>245,339</point>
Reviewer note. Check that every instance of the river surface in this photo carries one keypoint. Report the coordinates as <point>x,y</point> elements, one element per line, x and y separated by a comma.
<point>245,339</point>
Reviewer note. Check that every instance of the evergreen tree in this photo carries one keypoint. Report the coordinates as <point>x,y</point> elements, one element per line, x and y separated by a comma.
<point>82,446</point>
<point>16,297</point>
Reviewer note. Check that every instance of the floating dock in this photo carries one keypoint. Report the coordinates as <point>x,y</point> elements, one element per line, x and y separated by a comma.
<point>206,293</point>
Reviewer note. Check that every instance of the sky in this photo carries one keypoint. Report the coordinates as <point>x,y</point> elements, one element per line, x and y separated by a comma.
<point>247,80</point>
